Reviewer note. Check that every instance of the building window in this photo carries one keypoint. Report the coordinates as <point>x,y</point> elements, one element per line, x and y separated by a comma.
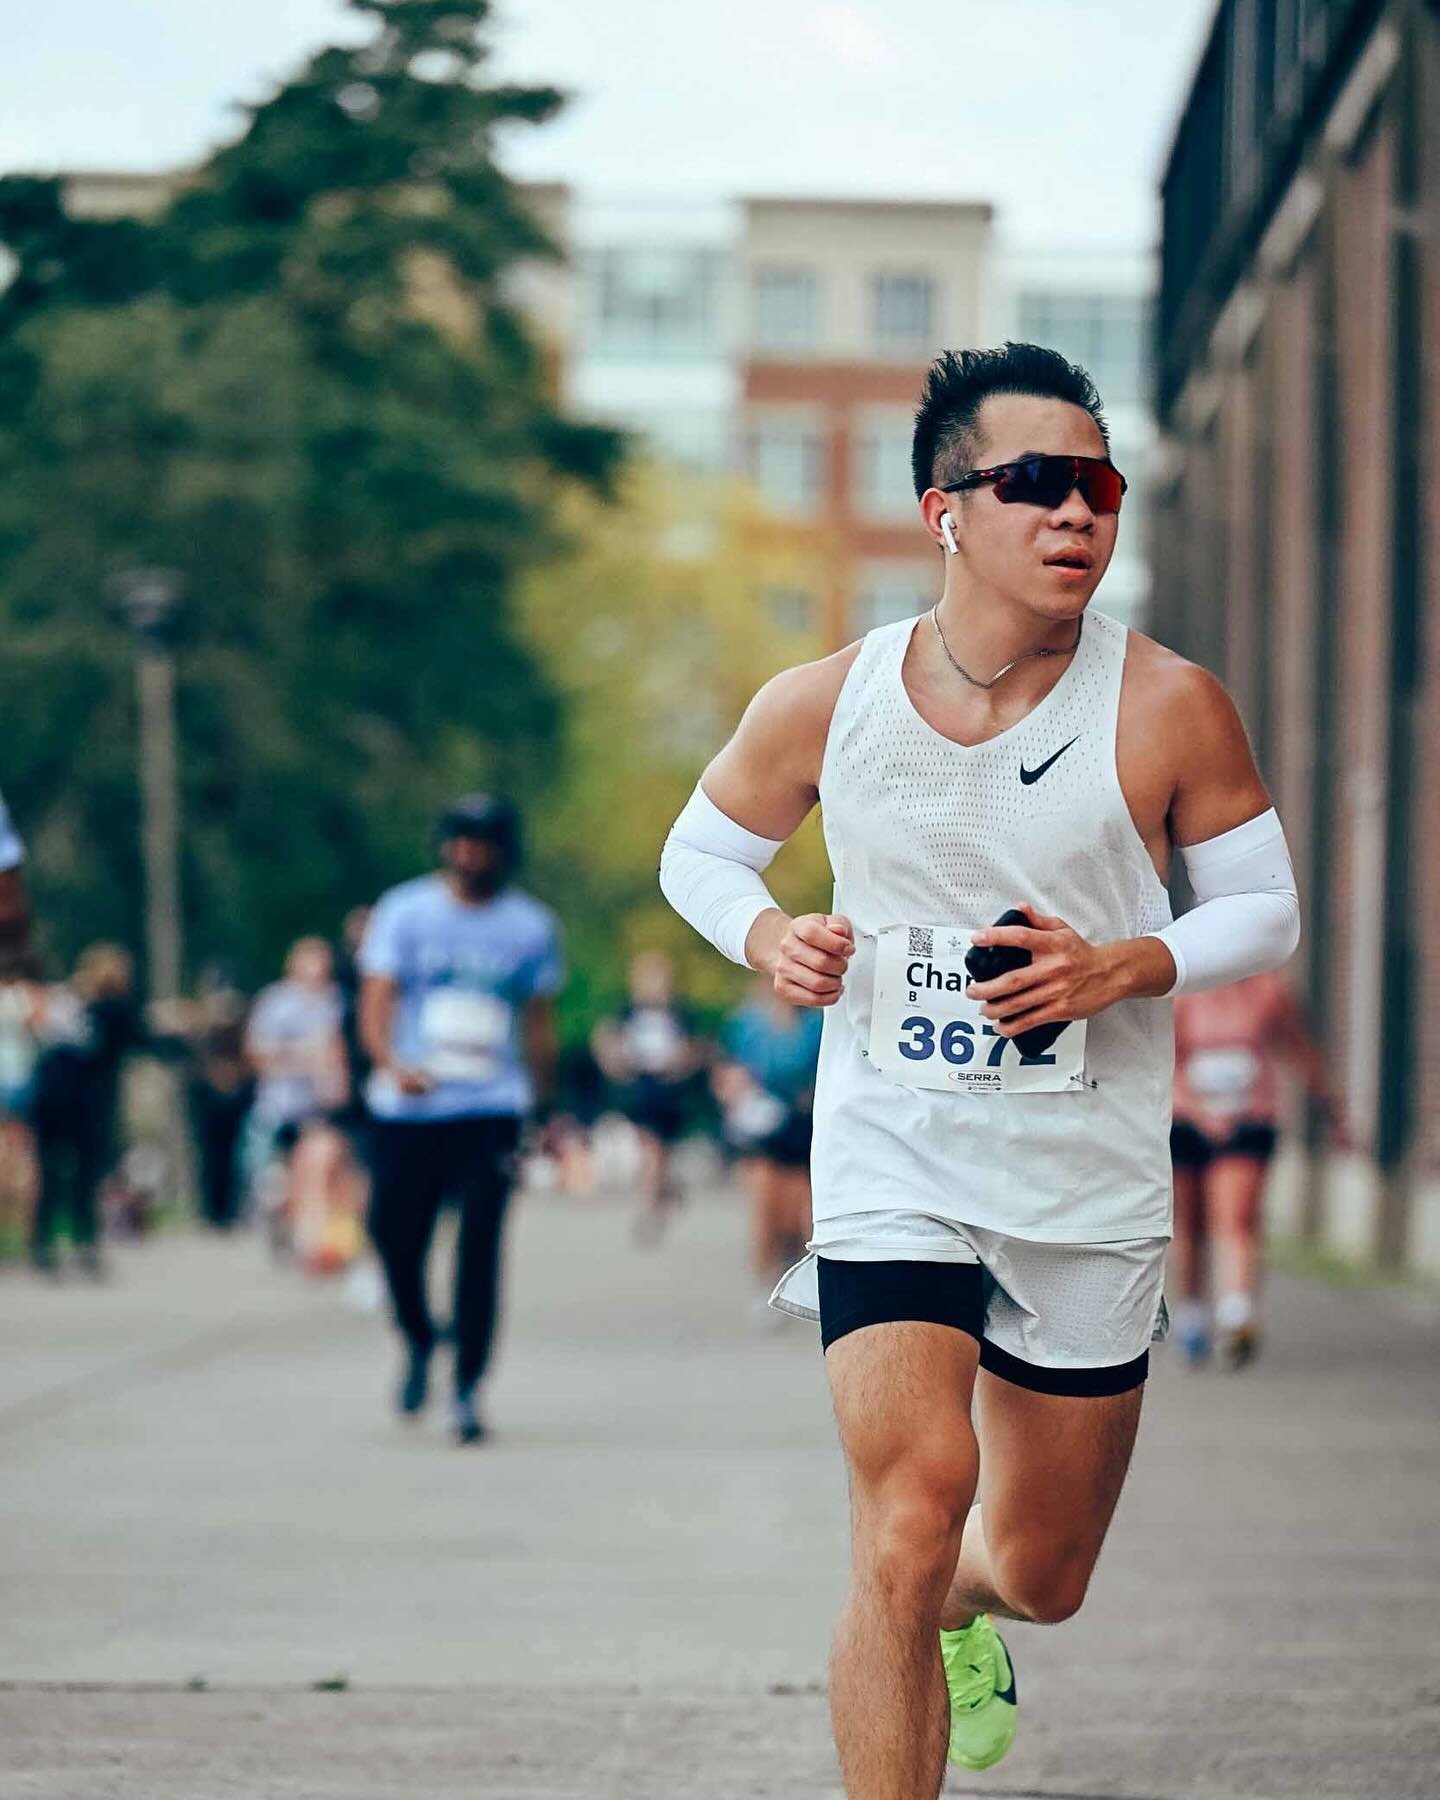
<point>787,462</point>
<point>891,591</point>
<point>1109,335</point>
<point>883,488</point>
<point>655,304</point>
<point>903,313</point>
<point>791,610</point>
<point>787,309</point>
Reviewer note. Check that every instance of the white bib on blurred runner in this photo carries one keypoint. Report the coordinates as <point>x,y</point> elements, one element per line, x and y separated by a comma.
<point>465,1034</point>
<point>926,1031</point>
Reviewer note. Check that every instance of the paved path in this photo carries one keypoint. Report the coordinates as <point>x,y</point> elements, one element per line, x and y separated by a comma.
<point>205,1511</point>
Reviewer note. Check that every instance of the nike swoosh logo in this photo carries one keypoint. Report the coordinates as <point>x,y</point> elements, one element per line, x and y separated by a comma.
<point>1008,1694</point>
<point>1028,776</point>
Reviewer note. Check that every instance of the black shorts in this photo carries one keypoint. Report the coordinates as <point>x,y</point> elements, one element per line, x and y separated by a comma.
<point>856,1294</point>
<point>656,1107</point>
<point>789,1143</point>
<point>1191,1148</point>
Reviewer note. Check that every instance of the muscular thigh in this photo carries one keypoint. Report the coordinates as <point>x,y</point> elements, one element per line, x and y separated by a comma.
<point>902,1393</point>
<point>1052,1465</point>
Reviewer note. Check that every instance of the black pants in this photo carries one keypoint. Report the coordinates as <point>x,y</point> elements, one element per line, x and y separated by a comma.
<point>72,1166</point>
<point>418,1166</point>
<point>218,1117</point>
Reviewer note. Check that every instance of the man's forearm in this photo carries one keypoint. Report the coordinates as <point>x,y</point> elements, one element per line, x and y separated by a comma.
<point>1139,968</point>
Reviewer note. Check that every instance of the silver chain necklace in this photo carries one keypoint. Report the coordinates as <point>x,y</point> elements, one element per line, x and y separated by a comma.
<point>1045,650</point>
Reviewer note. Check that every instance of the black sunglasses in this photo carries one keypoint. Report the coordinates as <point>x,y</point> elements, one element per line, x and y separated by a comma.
<point>1049,480</point>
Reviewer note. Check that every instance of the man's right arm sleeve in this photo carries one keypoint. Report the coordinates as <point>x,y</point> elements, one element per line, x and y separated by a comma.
<point>710,873</point>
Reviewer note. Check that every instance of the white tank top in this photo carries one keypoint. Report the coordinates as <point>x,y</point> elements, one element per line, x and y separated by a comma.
<point>925,831</point>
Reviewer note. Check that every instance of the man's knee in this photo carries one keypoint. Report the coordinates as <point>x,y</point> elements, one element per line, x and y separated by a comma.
<point>1045,1583</point>
<point>908,1529</point>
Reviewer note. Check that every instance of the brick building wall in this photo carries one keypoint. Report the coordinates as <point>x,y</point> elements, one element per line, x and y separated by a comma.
<point>1299,548</point>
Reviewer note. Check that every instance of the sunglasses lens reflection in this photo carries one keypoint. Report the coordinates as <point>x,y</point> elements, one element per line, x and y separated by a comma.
<point>1048,480</point>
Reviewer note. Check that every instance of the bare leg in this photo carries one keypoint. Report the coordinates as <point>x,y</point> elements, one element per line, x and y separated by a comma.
<point>767,1221</point>
<point>1237,1184</point>
<point>1187,1250</point>
<point>902,1398</point>
<point>796,1215</point>
<point>1052,1467</point>
<point>654,1198</point>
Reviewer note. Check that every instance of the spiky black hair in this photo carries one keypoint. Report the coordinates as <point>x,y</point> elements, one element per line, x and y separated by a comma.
<point>947,421</point>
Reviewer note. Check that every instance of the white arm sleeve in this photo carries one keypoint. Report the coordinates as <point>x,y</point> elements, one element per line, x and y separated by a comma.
<point>710,873</point>
<point>1247,913</point>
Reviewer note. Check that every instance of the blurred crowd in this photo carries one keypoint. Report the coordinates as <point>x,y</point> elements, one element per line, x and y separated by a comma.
<point>280,1135</point>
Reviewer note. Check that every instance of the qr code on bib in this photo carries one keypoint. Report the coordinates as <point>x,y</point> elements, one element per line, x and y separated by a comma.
<point>922,940</point>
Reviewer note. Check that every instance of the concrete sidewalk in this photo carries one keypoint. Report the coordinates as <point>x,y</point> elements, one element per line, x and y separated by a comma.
<point>208,1511</point>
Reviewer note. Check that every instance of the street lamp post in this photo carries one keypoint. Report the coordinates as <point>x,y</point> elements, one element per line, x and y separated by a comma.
<point>149,598</point>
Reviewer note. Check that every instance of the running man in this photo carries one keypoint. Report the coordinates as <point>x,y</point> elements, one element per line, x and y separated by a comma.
<point>649,1052</point>
<point>456,1015</point>
<point>1229,1046</point>
<point>766,1090</point>
<point>990,1222</point>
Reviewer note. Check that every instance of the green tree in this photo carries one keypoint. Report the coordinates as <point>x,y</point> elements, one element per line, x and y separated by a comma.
<point>656,632</point>
<point>303,385</point>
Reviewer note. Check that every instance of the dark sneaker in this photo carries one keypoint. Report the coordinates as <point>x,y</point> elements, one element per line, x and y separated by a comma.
<point>415,1389</point>
<point>465,1421</point>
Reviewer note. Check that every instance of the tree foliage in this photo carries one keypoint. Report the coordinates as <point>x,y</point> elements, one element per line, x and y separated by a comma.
<point>304,386</point>
<point>656,635</point>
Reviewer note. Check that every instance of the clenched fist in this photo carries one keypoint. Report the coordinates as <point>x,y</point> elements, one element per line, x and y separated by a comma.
<point>807,957</point>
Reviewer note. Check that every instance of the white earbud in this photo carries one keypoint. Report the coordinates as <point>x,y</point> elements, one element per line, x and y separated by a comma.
<point>947,531</point>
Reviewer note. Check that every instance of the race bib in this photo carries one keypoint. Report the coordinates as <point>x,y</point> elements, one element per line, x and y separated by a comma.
<point>1224,1079</point>
<point>466,1035</point>
<point>926,1032</point>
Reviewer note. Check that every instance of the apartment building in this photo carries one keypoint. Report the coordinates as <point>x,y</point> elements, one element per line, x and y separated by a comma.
<point>842,306</point>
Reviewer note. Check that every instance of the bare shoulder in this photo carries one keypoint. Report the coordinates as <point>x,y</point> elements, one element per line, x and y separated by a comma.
<point>767,776</point>
<point>1177,697</point>
<point>1182,742</point>
<point>798,704</point>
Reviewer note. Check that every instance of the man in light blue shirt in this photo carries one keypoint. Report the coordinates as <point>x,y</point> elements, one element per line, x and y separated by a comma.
<point>460,968</point>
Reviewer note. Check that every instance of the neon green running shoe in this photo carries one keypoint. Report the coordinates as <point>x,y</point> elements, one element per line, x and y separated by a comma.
<point>981,1681</point>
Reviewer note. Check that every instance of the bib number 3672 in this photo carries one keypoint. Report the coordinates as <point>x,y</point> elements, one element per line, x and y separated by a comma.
<point>927,1032</point>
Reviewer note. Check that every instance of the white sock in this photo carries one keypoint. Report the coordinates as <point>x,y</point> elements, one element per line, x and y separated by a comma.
<point>1192,1318</point>
<point>1234,1312</point>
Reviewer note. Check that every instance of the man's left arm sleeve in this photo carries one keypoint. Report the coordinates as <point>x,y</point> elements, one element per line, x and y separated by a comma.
<point>1247,913</point>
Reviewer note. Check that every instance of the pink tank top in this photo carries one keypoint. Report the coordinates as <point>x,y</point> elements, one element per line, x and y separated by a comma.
<point>1226,1045</point>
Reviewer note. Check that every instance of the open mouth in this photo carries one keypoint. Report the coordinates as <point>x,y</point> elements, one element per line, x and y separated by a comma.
<point>1069,559</point>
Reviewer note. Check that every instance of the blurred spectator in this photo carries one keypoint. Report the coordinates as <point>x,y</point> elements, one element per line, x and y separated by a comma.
<point>295,1045</point>
<point>649,1052</point>
<point>766,1091</point>
<point>19,1051</point>
<point>84,1028</point>
<point>353,1118</point>
<point>15,943</point>
<point>220,1091</point>
<point>1230,1045</point>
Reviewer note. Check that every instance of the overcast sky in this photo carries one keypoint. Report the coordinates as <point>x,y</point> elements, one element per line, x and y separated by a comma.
<point>1059,114</point>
